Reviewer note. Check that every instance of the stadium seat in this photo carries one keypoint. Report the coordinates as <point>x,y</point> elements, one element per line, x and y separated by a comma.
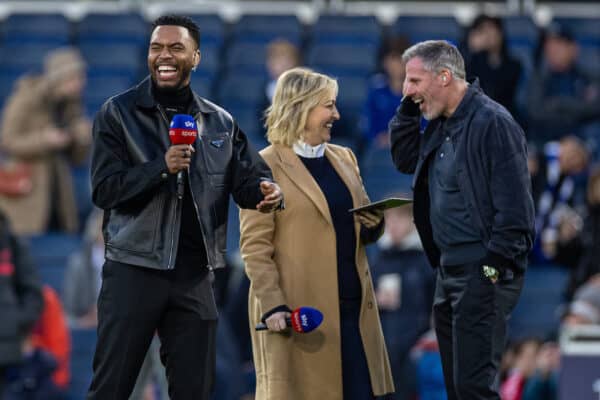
<point>520,30</point>
<point>419,28</point>
<point>265,28</point>
<point>7,85</point>
<point>241,90</point>
<point>210,61</point>
<point>212,29</point>
<point>537,312</point>
<point>589,60</point>
<point>380,176</point>
<point>23,58</point>
<point>45,29</point>
<point>113,28</point>
<point>203,85</point>
<point>345,59</point>
<point>347,29</point>
<point>250,122</point>
<point>586,30</point>
<point>242,57</point>
<point>83,343</point>
<point>113,59</point>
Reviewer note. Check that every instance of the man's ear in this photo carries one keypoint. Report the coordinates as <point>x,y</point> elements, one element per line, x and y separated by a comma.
<point>197,57</point>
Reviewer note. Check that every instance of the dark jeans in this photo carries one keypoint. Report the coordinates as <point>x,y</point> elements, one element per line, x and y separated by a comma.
<point>470,315</point>
<point>135,302</point>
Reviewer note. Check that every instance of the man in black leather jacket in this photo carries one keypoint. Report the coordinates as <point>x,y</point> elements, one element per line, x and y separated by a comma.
<point>472,207</point>
<point>161,250</point>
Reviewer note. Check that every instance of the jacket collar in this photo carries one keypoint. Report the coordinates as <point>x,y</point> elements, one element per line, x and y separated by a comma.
<point>464,107</point>
<point>145,98</point>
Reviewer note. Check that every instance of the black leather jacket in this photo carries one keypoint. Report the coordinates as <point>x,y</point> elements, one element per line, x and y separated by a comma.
<point>130,179</point>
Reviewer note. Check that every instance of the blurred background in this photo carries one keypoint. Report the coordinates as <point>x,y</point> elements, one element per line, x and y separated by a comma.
<point>539,59</point>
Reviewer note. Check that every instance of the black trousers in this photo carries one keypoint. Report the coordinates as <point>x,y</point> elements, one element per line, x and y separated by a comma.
<point>470,315</point>
<point>136,302</point>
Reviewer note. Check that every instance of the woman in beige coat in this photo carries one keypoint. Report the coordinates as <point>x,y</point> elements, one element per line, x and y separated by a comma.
<point>43,126</point>
<point>312,254</point>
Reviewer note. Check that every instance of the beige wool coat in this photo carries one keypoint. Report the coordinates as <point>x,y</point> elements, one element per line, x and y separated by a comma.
<point>27,113</point>
<point>290,258</point>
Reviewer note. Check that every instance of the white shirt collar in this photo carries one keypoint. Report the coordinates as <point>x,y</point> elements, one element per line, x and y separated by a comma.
<point>306,150</point>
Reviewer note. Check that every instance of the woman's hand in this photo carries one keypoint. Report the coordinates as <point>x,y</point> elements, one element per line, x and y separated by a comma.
<point>276,322</point>
<point>370,219</point>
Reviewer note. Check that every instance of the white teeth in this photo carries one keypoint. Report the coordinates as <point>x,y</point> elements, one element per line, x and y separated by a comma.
<point>418,101</point>
<point>328,125</point>
<point>166,68</point>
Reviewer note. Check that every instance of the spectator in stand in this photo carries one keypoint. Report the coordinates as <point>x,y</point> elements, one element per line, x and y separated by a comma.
<point>81,290</point>
<point>563,100</point>
<point>585,307</point>
<point>523,366</point>
<point>542,385</point>
<point>21,299</point>
<point>430,376</point>
<point>578,248</point>
<point>281,56</point>
<point>404,286</point>
<point>490,61</point>
<point>384,92</point>
<point>51,335</point>
<point>559,178</point>
<point>44,127</point>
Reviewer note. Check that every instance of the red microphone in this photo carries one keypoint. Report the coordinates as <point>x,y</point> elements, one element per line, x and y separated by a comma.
<point>182,131</point>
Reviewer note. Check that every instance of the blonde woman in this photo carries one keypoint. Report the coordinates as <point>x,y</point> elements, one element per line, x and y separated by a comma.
<point>313,254</point>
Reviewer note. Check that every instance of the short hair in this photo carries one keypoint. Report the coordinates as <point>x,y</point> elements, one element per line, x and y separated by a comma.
<point>297,92</point>
<point>437,55</point>
<point>179,20</point>
<point>285,48</point>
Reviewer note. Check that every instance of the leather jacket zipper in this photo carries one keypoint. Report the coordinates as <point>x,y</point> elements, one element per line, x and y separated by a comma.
<point>175,203</point>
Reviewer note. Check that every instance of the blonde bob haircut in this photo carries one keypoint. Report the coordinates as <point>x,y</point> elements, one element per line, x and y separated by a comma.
<point>297,92</point>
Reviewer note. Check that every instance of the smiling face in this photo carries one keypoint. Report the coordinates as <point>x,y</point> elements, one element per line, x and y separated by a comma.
<point>425,88</point>
<point>171,56</point>
<point>320,120</point>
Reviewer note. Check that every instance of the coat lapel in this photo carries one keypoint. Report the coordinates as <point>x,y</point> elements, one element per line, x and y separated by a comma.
<point>301,177</point>
<point>346,171</point>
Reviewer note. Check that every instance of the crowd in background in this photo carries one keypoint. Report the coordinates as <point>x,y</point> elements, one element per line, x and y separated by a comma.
<point>45,134</point>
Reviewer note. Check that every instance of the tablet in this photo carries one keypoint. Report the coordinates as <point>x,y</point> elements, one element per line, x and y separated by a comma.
<point>383,204</point>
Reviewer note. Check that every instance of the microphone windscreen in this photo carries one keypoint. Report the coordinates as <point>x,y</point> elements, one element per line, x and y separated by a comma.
<point>183,129</point>
<point>306,319</point>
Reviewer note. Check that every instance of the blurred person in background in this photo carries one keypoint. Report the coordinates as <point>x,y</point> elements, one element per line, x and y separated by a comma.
<point>44,126</point>
<point>82,284</point>
<point>578,244</point>
<point>559,182</point>
<point>521,367</point>
<point>21,300</point>
<point>543,384</point>
<point>475,227</point>
<point>161,247</point>
<point>313,254</point>
<point>585,307</point>
<point>384,92</point>
<point>430,376</point>
<point>563,100</point>
<point>489,60</point>
<point>282,55</point>
<point>404,285</point>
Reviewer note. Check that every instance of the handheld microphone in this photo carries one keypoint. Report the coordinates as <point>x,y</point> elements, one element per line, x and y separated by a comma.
<point>182,131</point>
<point>302,320</point>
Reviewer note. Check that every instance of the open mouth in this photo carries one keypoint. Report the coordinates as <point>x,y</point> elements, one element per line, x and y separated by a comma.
<point>166,72</point>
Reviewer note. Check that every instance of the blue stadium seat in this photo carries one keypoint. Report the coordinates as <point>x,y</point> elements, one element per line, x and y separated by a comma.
<point>113,59</point>
<point>419,28</point>
<point>586,30</point>
<point>345,59</point>
<point>203,85</point>
<point>48,29</point>
<point>243,57</point>
<point>212,29</point>
<point>347,29</point>
<point>250,122</point>
<point>23,58</point>
<point>241,90</point>
<point>520,30</point>
<point>589,60</point>
<point>537,312</point>
<point>265,28</point>
<point>210,61</point>
<point>113,28</point>
<point>380,176</point>
<point>83,343</point>
<point>99,88</point>
<point>7,86</point>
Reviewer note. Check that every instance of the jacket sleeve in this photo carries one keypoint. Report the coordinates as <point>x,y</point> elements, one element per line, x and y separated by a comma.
<point>405,138</point>
<point>513,229</point>
<point>257,231</point>
<point>28,287</point>
<point>115,179</point>
<point>248,169</point>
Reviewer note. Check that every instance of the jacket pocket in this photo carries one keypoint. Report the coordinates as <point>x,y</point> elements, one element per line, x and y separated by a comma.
<point>136,231</point>
<point>217,150</point>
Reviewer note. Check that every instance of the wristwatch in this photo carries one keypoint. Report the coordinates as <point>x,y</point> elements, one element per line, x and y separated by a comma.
<point>491,273</point>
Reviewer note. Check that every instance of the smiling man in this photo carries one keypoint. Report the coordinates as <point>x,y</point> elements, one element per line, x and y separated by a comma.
<point>161,249</point>
<point>472,207</point>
